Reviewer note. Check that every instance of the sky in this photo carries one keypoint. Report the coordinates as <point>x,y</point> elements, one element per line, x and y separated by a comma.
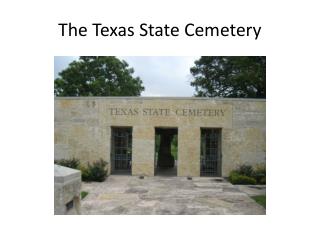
<point>161,76</point>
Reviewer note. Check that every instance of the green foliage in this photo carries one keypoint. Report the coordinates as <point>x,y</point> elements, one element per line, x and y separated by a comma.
<point>245,174</point>
<point>260,174</point>
<point>84,194</point>
<point>71,163</point>
<point>238,77</point>
<point>174,147</point>
<point>245,170</point>
<point>262,181</point>
<point>98,76</point>
<point>85,173</point>
<point>261,199</point>
<point>236,178</point>
<point>95,171</point>
<point>157,142</point>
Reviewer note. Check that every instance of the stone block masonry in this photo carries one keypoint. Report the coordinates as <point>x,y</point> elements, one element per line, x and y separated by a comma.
<point>67,187</point>
<point>83,129</point>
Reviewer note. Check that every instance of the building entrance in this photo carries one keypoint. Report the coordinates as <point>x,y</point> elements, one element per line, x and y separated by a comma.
<point>166,151</point>
<point>210,158</point>
<point>121,150</point>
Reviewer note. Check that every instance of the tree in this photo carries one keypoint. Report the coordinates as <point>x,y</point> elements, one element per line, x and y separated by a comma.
<point>236,77</point>
<point>98,76</point>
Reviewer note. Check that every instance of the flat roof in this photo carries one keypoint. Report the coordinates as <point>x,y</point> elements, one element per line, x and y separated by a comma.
<point>166,98</point>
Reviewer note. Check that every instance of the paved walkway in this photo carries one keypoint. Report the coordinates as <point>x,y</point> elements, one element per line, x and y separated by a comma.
<point>166,195</point>
<point>253,190</point>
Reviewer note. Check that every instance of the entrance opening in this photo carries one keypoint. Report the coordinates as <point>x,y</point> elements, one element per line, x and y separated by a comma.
<point>210,158</point>
<point>166,151</point>
<point>121,150</point>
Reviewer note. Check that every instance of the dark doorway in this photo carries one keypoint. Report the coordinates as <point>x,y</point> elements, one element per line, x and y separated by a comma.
<point>166,151</point>
<point>210,158</point>
<point>121,150</point>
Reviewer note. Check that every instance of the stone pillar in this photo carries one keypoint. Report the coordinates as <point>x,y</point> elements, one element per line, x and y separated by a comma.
<point>228,157</point>
<point>67,189</point>
<point>189,151</point>
<point>143,140</point>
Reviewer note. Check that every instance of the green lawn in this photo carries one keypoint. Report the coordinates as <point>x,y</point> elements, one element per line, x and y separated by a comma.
<point>261,199</point>
<point>84,194</point>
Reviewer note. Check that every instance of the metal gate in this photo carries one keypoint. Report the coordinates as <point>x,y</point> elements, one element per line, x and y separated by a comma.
<point>121,149</point>
<point>210,152</point>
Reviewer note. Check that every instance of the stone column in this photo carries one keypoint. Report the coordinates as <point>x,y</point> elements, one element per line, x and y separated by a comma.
<point>189,151</point>
<point>67,189</point>
<point>143,140</point>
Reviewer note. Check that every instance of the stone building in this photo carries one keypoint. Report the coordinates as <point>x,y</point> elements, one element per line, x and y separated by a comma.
<point>154,135</point>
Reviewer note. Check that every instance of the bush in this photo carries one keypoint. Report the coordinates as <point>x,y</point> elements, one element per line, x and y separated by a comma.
<point>260,174</point>
<point>94,172</point>
<point>236,178</point>
<point>71,163</point>
<point>262,181</point>
<point>244,174</point>
<point>85,174</point>
<point>245,170</point>
<point>91,172</point>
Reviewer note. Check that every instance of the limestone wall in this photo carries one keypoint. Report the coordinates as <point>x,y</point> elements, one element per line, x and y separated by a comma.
<point>83,129</point>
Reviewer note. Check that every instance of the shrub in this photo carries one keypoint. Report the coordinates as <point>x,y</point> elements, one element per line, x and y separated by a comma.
<point>262,181</point>
<point>71,163</point>
<point>247,173</point>
<point>236,178</point>
<point>260,174</point>
<point>245,170</point>
<point>85,175</point>
<point>95,171</point>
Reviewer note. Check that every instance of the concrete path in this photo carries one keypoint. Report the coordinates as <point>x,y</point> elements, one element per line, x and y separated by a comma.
<point>166,195</point>
<point>253,190</point>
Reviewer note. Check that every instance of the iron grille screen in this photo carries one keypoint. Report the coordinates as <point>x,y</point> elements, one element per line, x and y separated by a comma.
<point>121,152</point>
<point>210,152</point>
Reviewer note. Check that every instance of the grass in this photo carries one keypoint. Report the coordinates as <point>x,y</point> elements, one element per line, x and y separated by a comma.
<point>260,199</point>
<point>84,194</point>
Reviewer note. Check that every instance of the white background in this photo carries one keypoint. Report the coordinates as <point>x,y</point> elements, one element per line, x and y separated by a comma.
<point>30,40</point>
